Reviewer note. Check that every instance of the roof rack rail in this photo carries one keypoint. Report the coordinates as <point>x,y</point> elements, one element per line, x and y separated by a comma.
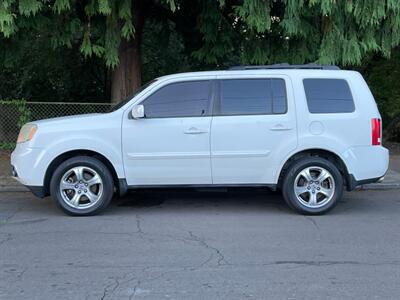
<point>286,66</point>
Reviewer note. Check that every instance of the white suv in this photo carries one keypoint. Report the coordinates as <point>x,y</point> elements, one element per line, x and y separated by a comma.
<point>309,131</point>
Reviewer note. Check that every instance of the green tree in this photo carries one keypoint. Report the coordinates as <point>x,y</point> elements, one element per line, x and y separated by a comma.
<point>382,76</point>
<point>111,30</point>
<point>31,69</point>
<point>297,31</point>
<point>214,33</point>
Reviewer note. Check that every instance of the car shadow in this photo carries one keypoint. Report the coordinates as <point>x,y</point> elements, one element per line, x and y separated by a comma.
<point>211,200</point>
<point>230,198</point>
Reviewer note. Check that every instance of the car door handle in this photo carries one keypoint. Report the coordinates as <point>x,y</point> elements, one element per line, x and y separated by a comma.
<point>195,130</point>
<point>279,127</point>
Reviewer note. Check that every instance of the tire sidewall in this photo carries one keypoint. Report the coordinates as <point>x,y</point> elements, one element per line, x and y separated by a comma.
<point>103,172</point>
<point>295,169</point>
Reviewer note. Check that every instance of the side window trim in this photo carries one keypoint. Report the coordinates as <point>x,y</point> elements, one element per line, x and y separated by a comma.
<point>218,95</point>
<point>217,98</point>
<point>210,99</point>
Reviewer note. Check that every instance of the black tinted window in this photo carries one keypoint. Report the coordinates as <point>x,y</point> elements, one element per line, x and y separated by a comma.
<point>328,96</point>
<point>183,99</point>
<point>252,96</point>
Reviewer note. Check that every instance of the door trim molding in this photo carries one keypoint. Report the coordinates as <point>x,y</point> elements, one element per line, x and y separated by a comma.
<point>167,155</point>
<point>239,154</point>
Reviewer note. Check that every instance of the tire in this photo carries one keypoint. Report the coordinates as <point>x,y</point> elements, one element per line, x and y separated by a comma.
<point>82,186</point>
<point>303,190</point>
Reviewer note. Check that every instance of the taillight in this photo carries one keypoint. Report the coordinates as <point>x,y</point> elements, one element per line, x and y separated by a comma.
<point>376,131</point>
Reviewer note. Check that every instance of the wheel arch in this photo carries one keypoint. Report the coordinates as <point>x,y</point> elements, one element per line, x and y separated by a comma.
<point>318,152</point>
<point>72,153</point>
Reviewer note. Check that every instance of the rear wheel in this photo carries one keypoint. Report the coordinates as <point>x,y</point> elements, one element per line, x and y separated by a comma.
<point>82,186</point>
<point>312,185</point>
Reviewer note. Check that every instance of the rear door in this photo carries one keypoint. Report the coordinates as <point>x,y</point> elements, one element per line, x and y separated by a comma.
<point>253,128</point>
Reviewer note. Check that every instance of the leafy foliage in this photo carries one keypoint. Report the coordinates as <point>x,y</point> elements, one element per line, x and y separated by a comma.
<point>163,51</point>
<point>23,110</point>
<point>256,31</point>
<point>325,31</point>
<point>382,76</point>
<point>7,146</point>
<point>31,69</point>
<point>99,25</point>
<point>219,38</point>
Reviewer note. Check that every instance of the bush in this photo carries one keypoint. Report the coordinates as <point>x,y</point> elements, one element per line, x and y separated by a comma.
<point>14,114</point>
<point>383,76</point>
<point>7,146</point>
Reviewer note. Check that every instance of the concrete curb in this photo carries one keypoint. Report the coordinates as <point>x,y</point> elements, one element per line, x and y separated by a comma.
<point>380,186</point>
<point>13,188</point>
<point>9,184</point>
<point>391,182</point>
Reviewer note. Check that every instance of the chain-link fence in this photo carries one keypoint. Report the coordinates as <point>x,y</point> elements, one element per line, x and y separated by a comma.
<point>13,114</point>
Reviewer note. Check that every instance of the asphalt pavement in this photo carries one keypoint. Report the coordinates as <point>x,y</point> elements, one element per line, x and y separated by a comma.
<point>241,244</point>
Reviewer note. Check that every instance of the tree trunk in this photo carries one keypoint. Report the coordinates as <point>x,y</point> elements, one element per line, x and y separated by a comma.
<point>127,76</point>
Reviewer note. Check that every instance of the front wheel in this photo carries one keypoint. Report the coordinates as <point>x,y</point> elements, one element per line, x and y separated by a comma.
<point>312,186</point>
<point>82,186</point>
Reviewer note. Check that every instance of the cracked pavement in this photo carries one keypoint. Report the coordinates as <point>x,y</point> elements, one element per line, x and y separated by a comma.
<point>184,244</point>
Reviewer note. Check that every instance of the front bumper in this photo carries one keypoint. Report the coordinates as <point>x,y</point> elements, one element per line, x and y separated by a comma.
<point>29,165</point>
<point>37,190</point>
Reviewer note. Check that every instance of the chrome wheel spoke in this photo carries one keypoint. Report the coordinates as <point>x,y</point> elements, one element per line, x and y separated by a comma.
<point>306,174</point>
<point>67,185</point>
<point>313,199</point>
<point>94,180</point>
<point>323,175</point>
<point>326,192</point>
<point>300,190</point>
<point>91,196</point>
<point>78,171</point>
<point>75,199</point>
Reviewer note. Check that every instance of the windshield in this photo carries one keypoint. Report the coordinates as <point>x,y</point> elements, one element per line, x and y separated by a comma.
<point>123,102</point>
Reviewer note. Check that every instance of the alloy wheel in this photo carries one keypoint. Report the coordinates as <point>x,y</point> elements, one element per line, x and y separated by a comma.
<point>81,187</point>
<point>314,187</point>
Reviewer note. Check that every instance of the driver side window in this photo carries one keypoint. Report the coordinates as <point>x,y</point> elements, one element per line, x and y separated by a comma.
<point>182,99</point>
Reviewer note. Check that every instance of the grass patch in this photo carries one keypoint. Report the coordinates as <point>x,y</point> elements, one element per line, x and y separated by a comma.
<point>7,146</point>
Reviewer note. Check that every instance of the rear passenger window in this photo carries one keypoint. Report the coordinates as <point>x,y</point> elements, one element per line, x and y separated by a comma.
<point>252,97</point>
<point>183,99</point>
<point>328,96</point>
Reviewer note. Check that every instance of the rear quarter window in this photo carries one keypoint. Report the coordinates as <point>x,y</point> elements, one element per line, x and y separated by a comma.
<point>328,96</point>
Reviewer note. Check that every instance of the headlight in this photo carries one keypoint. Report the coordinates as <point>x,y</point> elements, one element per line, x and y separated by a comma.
<point>27,133</point>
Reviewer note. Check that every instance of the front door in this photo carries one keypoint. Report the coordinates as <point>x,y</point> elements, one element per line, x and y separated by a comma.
<point>171,144</point>
<point>253,127</point>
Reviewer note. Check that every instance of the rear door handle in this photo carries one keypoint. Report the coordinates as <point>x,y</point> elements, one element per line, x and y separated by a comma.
<point>279,127</point>
<point>195,130</point>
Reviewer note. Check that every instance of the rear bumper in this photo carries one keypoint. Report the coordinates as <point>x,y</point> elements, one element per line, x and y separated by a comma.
<point>38,191</point>
<point>366,164</point>
<point>352,183</point>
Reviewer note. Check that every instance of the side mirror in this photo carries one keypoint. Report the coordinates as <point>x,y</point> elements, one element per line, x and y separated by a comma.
<point>138,111</point>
